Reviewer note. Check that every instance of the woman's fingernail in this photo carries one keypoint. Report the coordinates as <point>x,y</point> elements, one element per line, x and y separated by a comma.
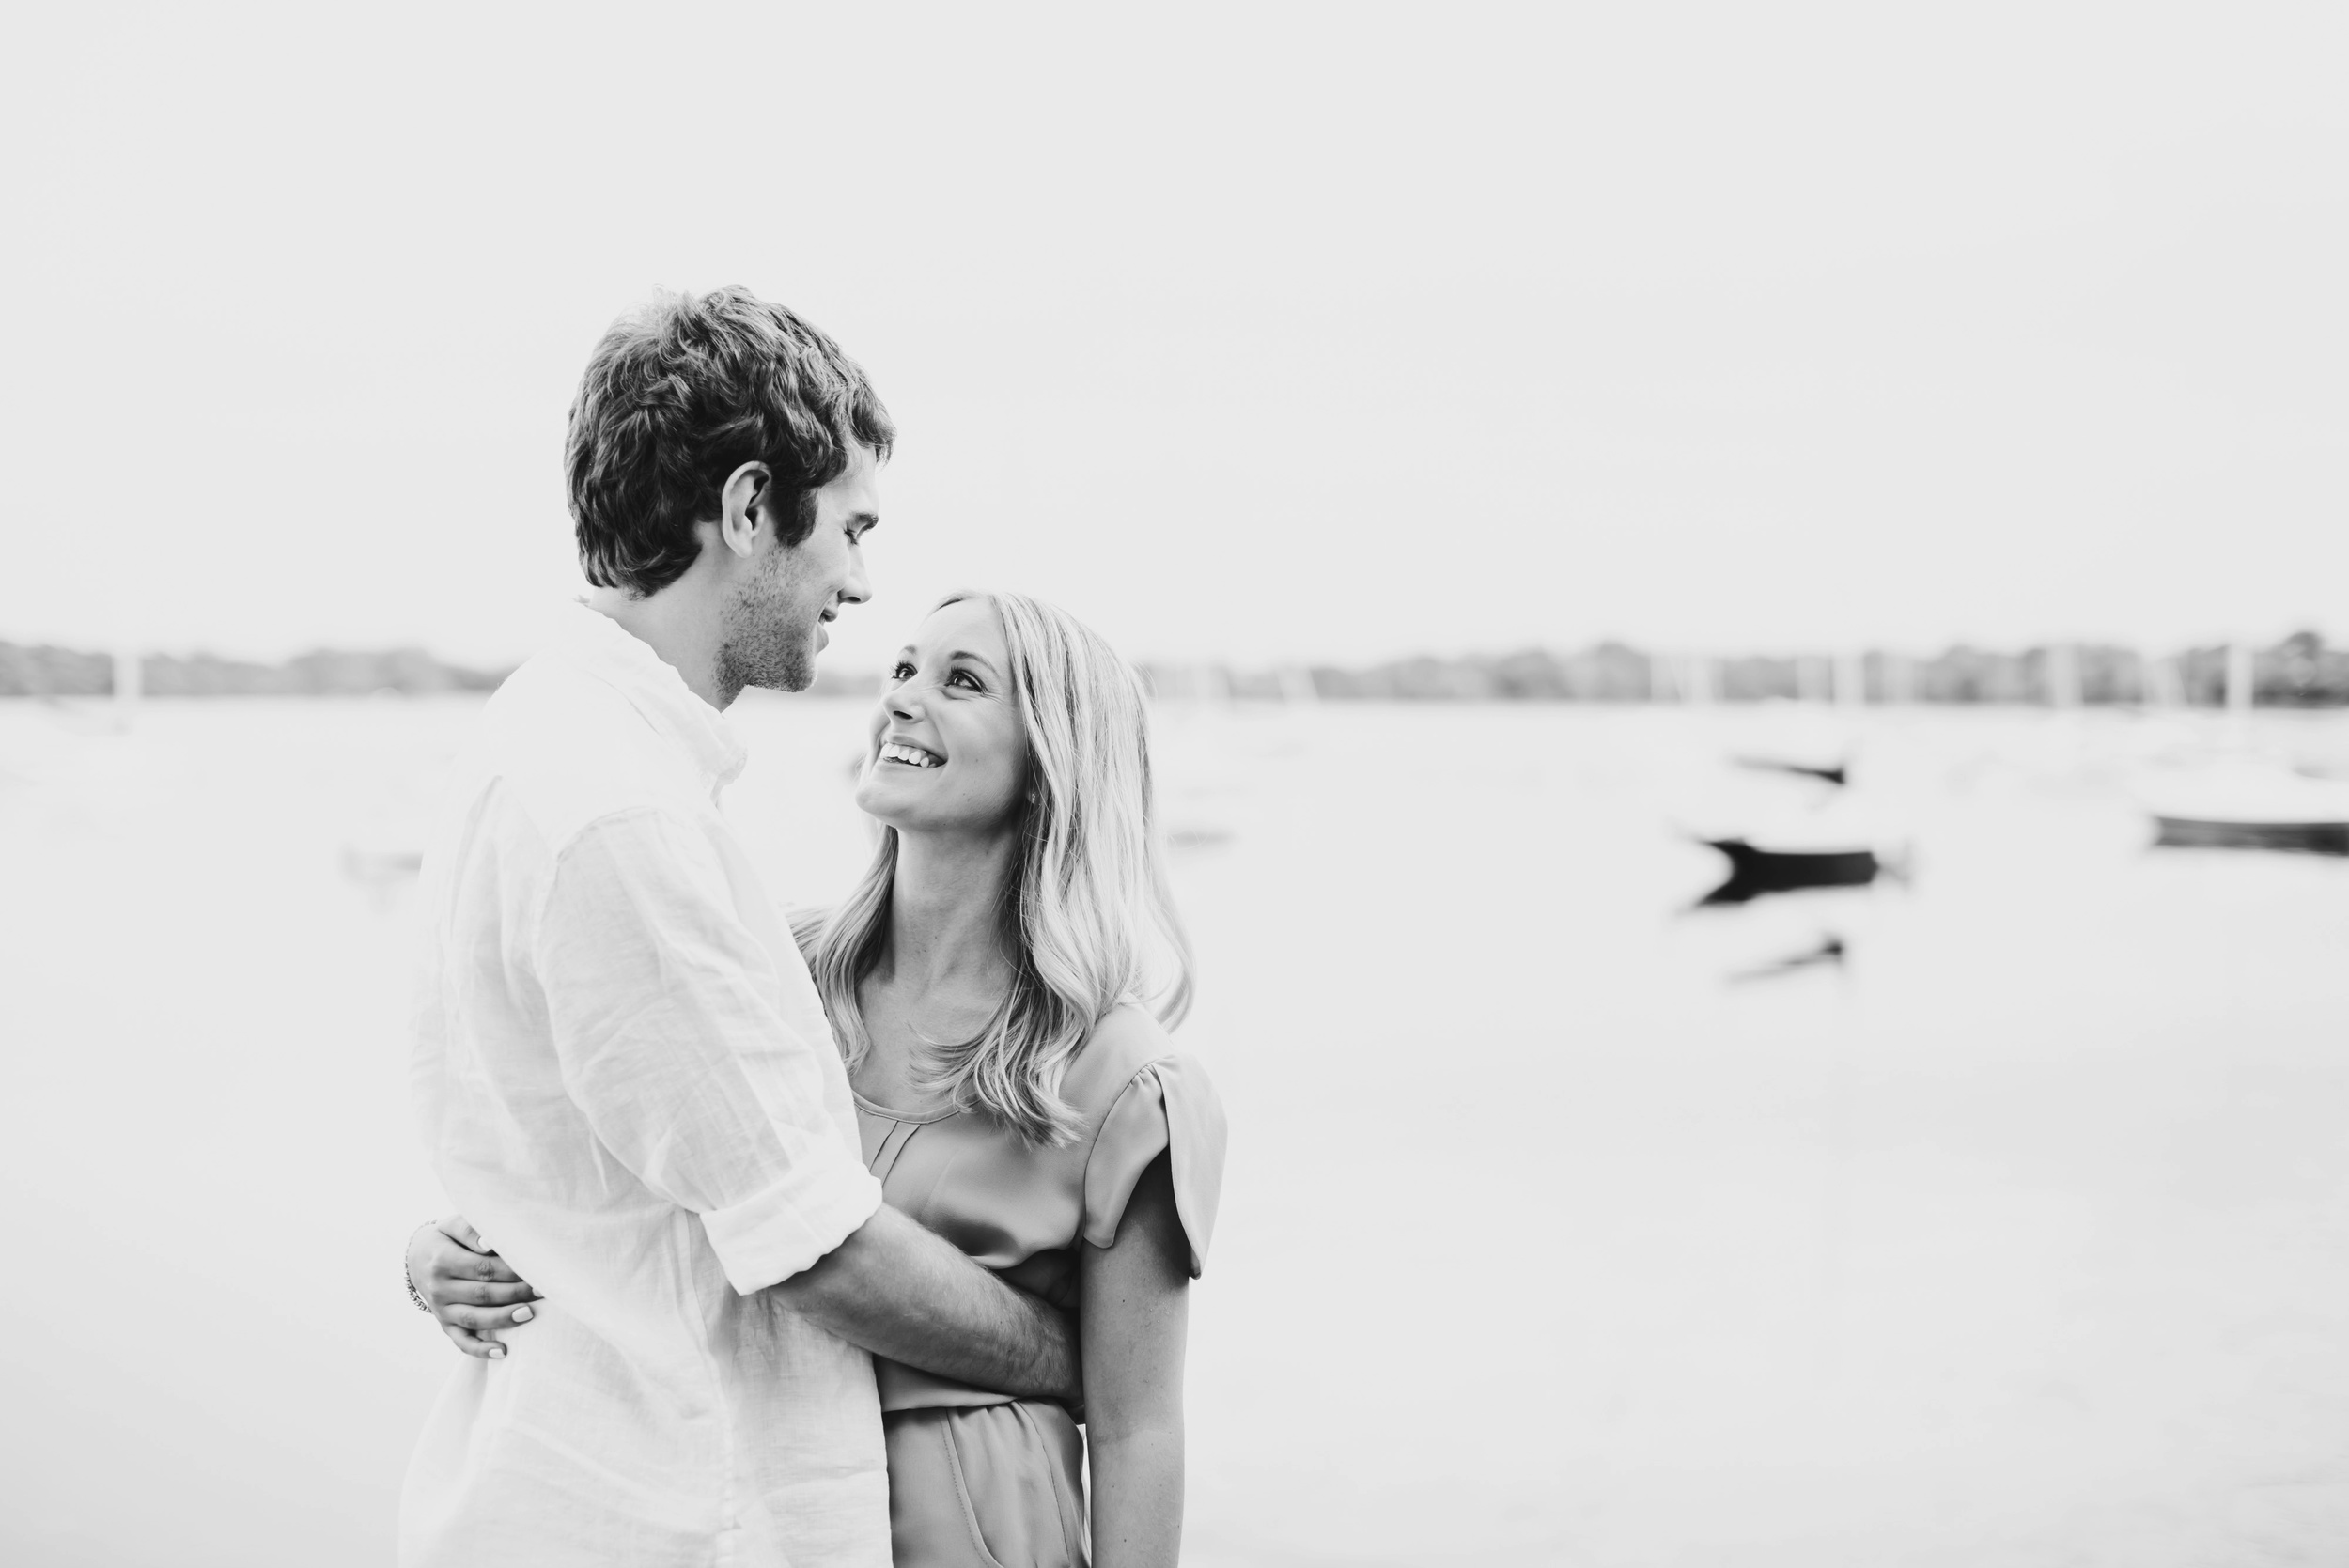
<point>497,1353</point>
<point>521,1314</point>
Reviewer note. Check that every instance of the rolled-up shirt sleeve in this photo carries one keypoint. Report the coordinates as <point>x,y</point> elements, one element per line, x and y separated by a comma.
<point>661,1005</point>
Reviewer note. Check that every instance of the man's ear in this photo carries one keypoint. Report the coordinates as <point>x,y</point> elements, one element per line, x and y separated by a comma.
<point>746,501</point>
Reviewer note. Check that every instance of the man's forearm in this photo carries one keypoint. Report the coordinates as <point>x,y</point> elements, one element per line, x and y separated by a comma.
<point>899,1291</point>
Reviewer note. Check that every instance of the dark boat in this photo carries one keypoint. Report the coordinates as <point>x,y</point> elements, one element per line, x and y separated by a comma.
<point>2312,838</point>
<point>2246,803</point>
<point>1755,871</point>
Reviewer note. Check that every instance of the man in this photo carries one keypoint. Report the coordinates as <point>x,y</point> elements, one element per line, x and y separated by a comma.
<point>623,1072</point>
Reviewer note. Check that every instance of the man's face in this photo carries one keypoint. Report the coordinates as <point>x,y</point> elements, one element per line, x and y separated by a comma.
<point>780,598</point>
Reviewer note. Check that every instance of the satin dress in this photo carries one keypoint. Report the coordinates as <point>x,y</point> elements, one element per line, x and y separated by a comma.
<point>979,1479</point>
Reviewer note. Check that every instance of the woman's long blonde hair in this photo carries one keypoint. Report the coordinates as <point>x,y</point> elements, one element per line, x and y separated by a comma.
<point>1087,920</point>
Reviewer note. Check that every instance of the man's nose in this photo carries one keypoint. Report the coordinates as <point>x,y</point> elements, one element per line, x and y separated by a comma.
<point>859,587</point>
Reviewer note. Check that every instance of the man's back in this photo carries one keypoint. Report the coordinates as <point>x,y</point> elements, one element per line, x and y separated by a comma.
<point>624,1078</point>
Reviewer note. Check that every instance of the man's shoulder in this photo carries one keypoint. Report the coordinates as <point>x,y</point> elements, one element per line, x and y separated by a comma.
<point>550,696</point>
<point>567,749</point>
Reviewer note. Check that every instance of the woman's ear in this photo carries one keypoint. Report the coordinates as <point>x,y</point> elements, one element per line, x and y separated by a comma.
<point>740,505</point>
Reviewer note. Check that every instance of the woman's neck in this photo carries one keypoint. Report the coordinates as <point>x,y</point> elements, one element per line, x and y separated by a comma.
<point>945,901</point>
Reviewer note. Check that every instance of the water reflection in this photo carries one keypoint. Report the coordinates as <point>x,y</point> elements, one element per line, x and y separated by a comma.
<point>1837,773</point>
<point>1830,951</point>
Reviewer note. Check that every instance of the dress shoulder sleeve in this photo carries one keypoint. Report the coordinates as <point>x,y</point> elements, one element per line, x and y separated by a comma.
<point>1169,1106</point>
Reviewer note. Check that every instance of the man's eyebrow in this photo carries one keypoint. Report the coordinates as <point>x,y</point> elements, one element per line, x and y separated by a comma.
<point>862,521</point>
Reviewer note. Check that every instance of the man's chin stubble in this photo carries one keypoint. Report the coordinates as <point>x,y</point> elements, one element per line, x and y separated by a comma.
<point>772,669</point>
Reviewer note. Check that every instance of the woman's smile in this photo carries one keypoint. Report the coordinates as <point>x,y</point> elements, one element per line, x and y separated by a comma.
<point>950,706</point>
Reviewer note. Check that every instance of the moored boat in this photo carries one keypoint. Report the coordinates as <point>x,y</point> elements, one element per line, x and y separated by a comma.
<point>2246,803</point>
<point>1757,869</point>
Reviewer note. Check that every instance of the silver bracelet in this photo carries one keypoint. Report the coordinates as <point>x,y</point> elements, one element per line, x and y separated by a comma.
<point>422,1305</point>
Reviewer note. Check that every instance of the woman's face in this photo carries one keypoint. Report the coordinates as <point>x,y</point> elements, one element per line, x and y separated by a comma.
<point>949,753</point>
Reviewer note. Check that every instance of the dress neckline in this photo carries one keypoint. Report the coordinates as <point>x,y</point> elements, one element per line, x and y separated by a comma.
<point>906,1116</point>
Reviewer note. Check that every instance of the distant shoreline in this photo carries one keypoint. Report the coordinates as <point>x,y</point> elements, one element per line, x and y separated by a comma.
<point>2298,672</point>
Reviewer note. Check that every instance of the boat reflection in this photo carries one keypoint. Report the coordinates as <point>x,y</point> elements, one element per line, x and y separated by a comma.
<point>1830,951</point>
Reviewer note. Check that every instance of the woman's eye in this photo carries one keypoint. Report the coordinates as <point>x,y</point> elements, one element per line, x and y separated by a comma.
<point>900,671</point>
<point>969,679</point>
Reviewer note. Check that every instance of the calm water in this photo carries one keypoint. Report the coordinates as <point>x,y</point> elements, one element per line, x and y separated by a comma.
<point>1560,1226</point>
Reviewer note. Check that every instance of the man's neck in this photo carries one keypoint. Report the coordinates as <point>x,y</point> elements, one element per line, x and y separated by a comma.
<point>684,632</point>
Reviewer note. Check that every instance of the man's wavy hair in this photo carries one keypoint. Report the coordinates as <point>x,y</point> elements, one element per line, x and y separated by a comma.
<point>682,391</point>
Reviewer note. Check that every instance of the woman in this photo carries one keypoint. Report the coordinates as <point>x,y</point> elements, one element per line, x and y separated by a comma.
<point>990,981</point>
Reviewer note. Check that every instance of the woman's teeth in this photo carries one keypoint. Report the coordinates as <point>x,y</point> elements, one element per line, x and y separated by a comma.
<point>911,756</point>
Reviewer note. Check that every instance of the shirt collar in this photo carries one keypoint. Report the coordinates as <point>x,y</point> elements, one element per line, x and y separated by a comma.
<point>596,644</point>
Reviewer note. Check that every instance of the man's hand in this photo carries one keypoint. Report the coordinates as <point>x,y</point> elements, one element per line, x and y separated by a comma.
<point>470,1291</point>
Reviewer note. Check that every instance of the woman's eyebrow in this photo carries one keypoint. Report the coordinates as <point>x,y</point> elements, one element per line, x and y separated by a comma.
<point>978,659</point>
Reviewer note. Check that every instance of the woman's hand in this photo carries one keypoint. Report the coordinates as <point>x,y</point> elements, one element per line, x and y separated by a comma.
<point>470,1291</point>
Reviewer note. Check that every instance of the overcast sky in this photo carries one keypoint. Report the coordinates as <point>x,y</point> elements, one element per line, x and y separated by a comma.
<point>1263,332</point>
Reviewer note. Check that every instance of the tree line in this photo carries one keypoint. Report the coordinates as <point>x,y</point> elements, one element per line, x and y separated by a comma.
<point>2301,671</point>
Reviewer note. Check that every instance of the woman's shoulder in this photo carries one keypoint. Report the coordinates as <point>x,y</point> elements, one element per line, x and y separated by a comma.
<point>1126,1041</point>
<point>1143,1098</point>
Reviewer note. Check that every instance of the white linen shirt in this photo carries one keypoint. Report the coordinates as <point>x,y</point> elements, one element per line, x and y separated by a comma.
<point>625,1081</point>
